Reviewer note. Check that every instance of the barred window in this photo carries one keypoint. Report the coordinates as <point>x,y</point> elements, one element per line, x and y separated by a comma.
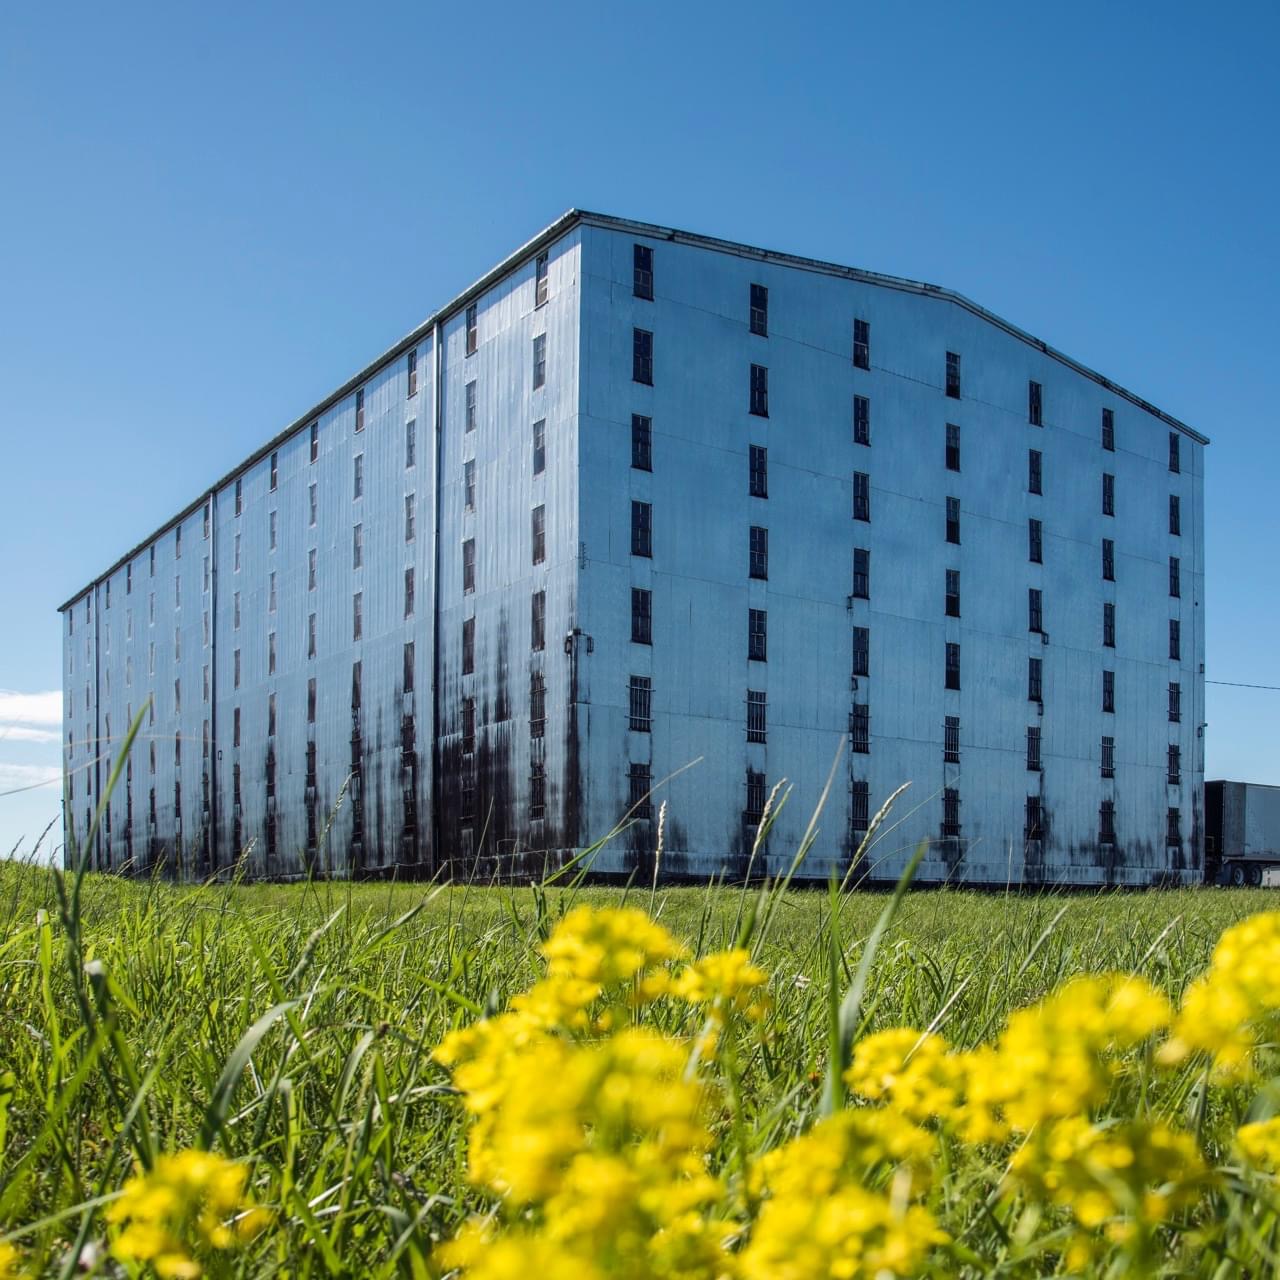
<point>537,705</point>
<point>1035,610</point>
<point>950,813</point>
<point>538,621</point>
<point>1173,827</point>
<point>1175,764</point>
<point>860,728</point>
<point>1033,747</point>
<point>1175,639</point>
<point>756,796</point>
<point>1175,515</point>
<point>641,704</point>
<point>1034,825</point>
<point>757,715</point>
<point>1108,756</point>
<point>1175,456</point>
<point>860,806</point>
<point>639,785</point>
<point>1107,822</point>
<point>1108,560</point>
<point>537,791</point>
<point>951,740</point>
<point>1175,701</point>
<point>1175,576</point>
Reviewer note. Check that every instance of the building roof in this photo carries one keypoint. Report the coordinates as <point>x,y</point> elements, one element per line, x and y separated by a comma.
<point>548,235</point>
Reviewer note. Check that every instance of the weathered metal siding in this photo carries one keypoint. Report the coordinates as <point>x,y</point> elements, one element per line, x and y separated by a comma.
<point>701,590</point>
<point>484,802</point>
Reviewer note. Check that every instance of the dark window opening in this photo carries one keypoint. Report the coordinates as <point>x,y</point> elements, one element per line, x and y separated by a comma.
<point>642,356</point>
<point>1035,679</point>
<point>1108,494</point>
<point>1175,515</point>
<point>1108,560</point>
<point>468,646</point>
<point>538,621</point>
<point>641,442</point>
<point>537,791</point>
<point>1034,473</point>
<point>950,813</point>
<point>861,496</point>
<point>641,529</point>
<point>953,375</point>
<point>642,272</point>
<point>759,552</point>
<point>1034,395</point>
<point>639,785</point>
<point>756,715</point>
<point>953,520</point>
<point>538,532</point>
<point>861,573</point>
<point>953,666</point>
<point>757,635</point>
<point>759,471</point>
<point>1109,691</point>
<point>1175,455</point>
<point>1035,541</point>
<point>539,446</point>
<point>468,726</point>
<point>540,280</point>
<point>1175,765</point>
<point>641,704</point>
<point>539,361</point>
<point>1108,756</point>
<point>641,616</point>
<point>473,329</point>
<point>951,740</point>
<point>861,344</point>
<point>860,728</point>
<point>1175,639</point>
<point>860,806</point>
<point>952,602</point>
<point>861,420</point>
<point>953,447</point>
<point>862,651</point>
<point>1175,701</point>
<point>753,811</point>
<point>1035,609</point>
<point>1109,430</point>
<point>1175,576</point>
<point>537,705</point>
<point>1107,822</point>
<point>1108,625</point>
<point>760,310</point>
<point>1033,747</point>
<point>759,403</point>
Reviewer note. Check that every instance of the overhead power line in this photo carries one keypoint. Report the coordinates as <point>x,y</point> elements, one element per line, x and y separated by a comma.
<point>1237,684</point>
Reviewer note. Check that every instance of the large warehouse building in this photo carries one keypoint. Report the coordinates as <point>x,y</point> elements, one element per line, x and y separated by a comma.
<point>641,503</point>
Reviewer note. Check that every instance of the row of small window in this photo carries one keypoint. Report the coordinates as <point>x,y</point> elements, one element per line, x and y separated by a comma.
<point>640,791</point>
<point>537,632</point>
<point>537,714</point>
<point>541,287</point>
<point>1033,826</point>
<point>538,543</point>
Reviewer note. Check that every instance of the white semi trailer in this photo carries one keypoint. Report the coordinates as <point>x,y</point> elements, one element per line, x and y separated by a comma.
<point>1242,833</point>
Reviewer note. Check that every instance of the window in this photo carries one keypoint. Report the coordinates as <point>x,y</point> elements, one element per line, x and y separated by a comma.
<point>313,504</point>
<point>950,813</point>
<point>1107,822</point>
<point>1109,430</point>
<point>951,740</point>
<point>641,442</point>
<point>757,635</point>
<point>757,715</point>
<point>1175,457</point>
<point>861,573</point>
<point>759,402</point>
<point>861,344</point>
<point>1175,639</point>
<point>271,591</point>
<point>1035,541</point>
<point>759,471</point>
<point>468,646</point>
<point>759,552</point>
<point>235,736</point>
<point>411,371</point>
<point>953,520</point>
<point>1175,702</point>
<point>271,715</point>
<point>1175,765</point>
<point>538,531</point>
<point>239,495</point>
<point>760,310</point>
<point>1108,756</point>
<point>952,602</point>
<point>1108,625</point>
<point>473,329</point>
<point>360,409</point>
<point>953,375</point>
<point>1108,494</point>
<point>272,543</point>
<point>408,593</point>
<point>410,443</point>
<point>861,420</point>
<point>357,615</point>
<point>356,684</point>
<point>861,495</point>
<point>1173,827</point>
<point>639,784</point>
<point>469,418</point>
<point>538,621</point>
<point>1175,576</point>
<point>311,570</point>
<point>271,653</point>
<point>357,546</point>
<point>177,543</point>
<point>1033,747</point>
<point>1109,691</point>
<point>753,811</point>
<point>539,361</point>
<point>641,529</point>
<point>1034,477</point>
<point>311,635</point>
<point>410,524</point>
<point>537,705</point>
<point>1175,515</point>
<point>1035,609</point>
<point>314,441</point>
<point>468,726</point>
<point>469,485</point>
<point>641,704</point>
<point>235,611</point>
<point>357,476</point>
<point>1035,679</point>
<point>1033,404</point>
<point>539,446</point>
<point>275,472</point>
<point>540,280</point>
<point>469,565</point>
<point>1108,560</point>
<point>642,356</point>
<point>311,700</point>
<point>862,651</point>
<point>235,669</point>
<point>642,271</point>
<point>860,728</point>
<point>953,666</point>
<point>641,616</point>
<point>537,791</point>
<point>953,447</point>
<point>860,806</point>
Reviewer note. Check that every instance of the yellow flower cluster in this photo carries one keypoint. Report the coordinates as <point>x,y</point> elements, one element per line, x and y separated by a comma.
<point>1259,1143</point>
<point>1225,1010</point>
<point>186,1202</point>
<point>9,1262</point>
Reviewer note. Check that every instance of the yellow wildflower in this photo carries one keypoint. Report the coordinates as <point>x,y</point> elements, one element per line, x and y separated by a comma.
<point>724,980</point>
<point>912,1069</point>
<point>1259,1143</point>
<point>9,1262</point>
<point>183,1203</point>
<point>608,946</point>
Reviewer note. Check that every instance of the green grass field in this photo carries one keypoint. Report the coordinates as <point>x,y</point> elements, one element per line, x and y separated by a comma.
<point>291,1028</point>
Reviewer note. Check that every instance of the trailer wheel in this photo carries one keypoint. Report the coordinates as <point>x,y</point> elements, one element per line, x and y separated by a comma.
<point>1236,875</point>
<point>1255,874</point>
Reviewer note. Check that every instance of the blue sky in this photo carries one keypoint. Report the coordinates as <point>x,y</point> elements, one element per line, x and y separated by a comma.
<point>214,214</point>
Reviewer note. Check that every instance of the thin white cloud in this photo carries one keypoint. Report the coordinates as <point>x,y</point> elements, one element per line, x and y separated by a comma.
<point>31,708</point>
<point>25,733</point>
<point>15,777</point>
